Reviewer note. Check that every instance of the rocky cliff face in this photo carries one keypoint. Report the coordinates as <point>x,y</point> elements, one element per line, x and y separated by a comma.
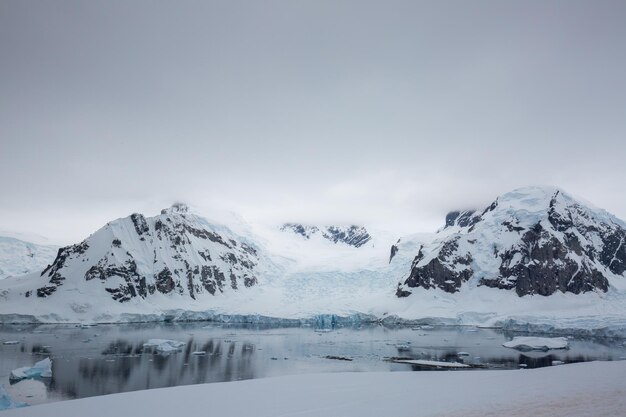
<point>532,240</point>
<point>356,236</point>
<point>174,253</point>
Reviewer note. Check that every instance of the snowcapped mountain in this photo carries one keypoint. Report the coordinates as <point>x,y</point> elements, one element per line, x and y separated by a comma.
<point>180,266</point>
<point>535,240</point>
<point>174,253</point>
<point>353,235</point>
<point>18,257</point>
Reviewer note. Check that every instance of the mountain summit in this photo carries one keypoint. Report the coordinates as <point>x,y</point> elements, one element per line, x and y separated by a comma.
<point>176,252</point>
<point>535,240</point>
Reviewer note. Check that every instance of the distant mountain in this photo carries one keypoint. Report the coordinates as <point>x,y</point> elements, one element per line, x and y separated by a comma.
<point>356,236</point>
<point>18,257</point>
<point>531,240</point>
<point>176,252</point>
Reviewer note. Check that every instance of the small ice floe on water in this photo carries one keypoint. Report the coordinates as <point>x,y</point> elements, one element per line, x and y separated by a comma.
<point>164,346</point>
<point>41,369</point>
<point>523,365</point>
<point>525,343</point>
<point>338,358</point>
<point>6,402</point>
<point>555,363</point>
<point>199,353</point>
<point>11,342</point>
<point>403,346</point>
<point>462,354</point>
<point>432,364</point>
<point>424,327</point>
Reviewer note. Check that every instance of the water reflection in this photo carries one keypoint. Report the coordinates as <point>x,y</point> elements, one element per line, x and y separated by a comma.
<point>114,360</point>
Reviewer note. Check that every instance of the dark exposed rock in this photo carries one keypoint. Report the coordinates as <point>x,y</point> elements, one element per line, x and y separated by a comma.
<point>462,218</point>
<point>614,251</point>
<point>545,268</point>
<point>139,221</point>
<point>356,236</point>
<point>304,231</point>
<point>164,282</point>
<point>394,250</point>
<point>249,281</point>
<point>569,248</point>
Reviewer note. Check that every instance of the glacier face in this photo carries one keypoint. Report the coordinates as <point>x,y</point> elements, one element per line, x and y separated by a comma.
<point>535,240</point>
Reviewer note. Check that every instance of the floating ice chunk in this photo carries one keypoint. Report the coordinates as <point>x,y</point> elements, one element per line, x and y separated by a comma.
<point>42,369</point>
<point>554,363</point>
<point>11,342</point>
<point>6,402</point>
<point>432,364</point>
<point>199,352</point>
<point>164,346</point>
<point>537,343</point>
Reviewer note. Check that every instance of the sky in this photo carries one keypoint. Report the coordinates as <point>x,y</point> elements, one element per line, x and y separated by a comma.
<point>385,113</point>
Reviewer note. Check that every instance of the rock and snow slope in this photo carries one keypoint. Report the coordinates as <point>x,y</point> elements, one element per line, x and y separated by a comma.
<point>487,268</point>
<point>531,240</point>
<point>18,257</point>
<point>352,235</point>
<point>175,254</point>
<point>575,390</point>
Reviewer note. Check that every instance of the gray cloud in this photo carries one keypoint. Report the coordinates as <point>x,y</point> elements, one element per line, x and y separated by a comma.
<point>388,113</point>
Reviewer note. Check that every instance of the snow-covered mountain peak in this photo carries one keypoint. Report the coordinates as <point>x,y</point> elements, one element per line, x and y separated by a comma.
<point>174,253</point>
<point>536,240</point>
<point>179,208</point>
<point>351,235</point>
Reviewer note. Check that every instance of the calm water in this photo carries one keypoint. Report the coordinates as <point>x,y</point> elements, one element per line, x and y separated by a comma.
<point>107,359</point>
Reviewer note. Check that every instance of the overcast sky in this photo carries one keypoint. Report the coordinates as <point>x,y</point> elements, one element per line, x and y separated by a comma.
<point>388,113</point>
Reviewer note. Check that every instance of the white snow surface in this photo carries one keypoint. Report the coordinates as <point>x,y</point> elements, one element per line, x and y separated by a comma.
<point>302,278</point>
<point>41,369</point>
<point>18,257</point>
<point>575,390</point>
<point>537,343</point>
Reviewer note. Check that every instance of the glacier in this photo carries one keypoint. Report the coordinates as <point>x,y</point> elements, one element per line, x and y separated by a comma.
<point>115,275</point>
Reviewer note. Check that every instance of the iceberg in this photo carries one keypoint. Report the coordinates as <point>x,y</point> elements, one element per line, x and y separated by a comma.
<point>42,369</point>
<point>524,343</point>
<point>6,402</point>
<point>164,346</point>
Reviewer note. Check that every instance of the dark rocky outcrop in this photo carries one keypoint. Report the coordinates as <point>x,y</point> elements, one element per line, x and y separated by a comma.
<point>394,250</point>
<point>567,248</point>
<point>356,236</point>
<point>185,257</point>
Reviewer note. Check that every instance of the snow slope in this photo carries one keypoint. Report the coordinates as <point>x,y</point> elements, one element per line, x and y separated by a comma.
<point>19,257</point>
<point>534,240</point>
<point>297,278</point>
<point>575,390</point>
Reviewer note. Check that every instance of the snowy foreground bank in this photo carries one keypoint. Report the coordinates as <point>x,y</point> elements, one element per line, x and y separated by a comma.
<point>584,389</point>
